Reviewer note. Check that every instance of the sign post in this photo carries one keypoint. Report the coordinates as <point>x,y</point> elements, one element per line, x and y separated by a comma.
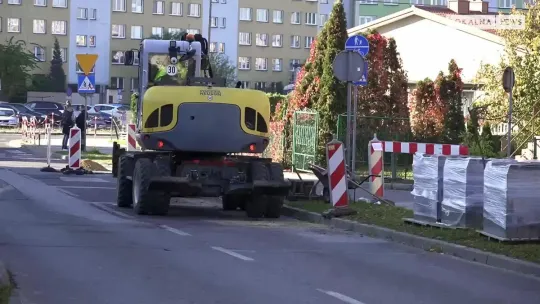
<point>508,84</point>
<point>86,86</point>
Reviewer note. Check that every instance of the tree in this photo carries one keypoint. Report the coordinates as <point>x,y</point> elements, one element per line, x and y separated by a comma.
<point>427,114</point>
<point>221,65</point>
<point>16,62</point>
<point>57,76</point>
<point>523,55</point>
<point>333,92</point>
<point>449,89</point>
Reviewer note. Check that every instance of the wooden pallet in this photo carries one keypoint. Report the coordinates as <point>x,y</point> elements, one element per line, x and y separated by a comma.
<point>429,224</point>
<point>493,237</point>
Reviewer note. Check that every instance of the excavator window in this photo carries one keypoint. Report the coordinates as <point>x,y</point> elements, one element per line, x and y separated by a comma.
<point>153,120</point>
<point>166,115</point>
<point>250,117</point>
<point>261,124</point>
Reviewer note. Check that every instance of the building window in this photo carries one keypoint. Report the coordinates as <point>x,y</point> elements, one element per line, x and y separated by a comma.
<point>294,64</point>
<point>176,9</point>
<point>63,53</point>
<point>118,31</point>
<point>137,6</point>
<point>39,2</point>
<point>39,27</point>
<point>136,32</point>
<point>365,19</point>
<point>277,40</point>
<point>117,83</point>
<point>308,41</point>
<point>368,2</point>
<point>245,84</point>
<point>213,47</point>
<point>214,22</point>
<point>82,13</point>
<point>17,2</point>
<point>261,39</point>
<point>443,3</point>
<point>311,19</point>
<point>262,15</point>
<point>92,41</point>
<point>134,84</point>
<point>59,27</point>
<point>157,31</point>
<point>159,7</point>
<point>323,1</point>
<point>277,17</point>
<point>245,14</point>
<point>117,57</point>
<point>244,38</point>
<point>390,2</point>
<point>277,64</point>
<point>173,31</point>
<point>93,14</point>
<point>295,18</point>
<point>119,5</point>
<point>322,19</point>
<point>504,3</point>
<point>261,64</point>
<point>221,47</point>
<point>39,53</point>
<point>59,3</point>
<point>14,25</point>
<point>81,40</point>
<point>295,41</point>
<point>193,31</point>
<point>223,22</point>
<point>244,63</point>
<point>194,10</point>
<point>260,85</point>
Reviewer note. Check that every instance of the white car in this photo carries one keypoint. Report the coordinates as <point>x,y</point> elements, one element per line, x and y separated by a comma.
<point>8,118</point>
<point>116,110</point>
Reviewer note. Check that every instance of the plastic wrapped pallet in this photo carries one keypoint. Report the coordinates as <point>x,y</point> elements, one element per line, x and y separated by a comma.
<point>428,186</point>
<point>511,199</point>
<point>463,196</point>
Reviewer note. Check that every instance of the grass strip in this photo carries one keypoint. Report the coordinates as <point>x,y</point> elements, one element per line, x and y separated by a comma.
<point>392,217</point>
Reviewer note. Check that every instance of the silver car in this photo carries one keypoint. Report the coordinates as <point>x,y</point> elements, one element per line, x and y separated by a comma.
<point>8,118</point>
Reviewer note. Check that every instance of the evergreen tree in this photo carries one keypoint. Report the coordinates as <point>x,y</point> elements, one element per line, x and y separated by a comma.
<point>450,90</point>
<point>333,93</point>
<point>396,101</point>
<point>57,75</point>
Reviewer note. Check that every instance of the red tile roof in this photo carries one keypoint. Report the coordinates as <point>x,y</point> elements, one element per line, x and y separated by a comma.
<point>445,11</point>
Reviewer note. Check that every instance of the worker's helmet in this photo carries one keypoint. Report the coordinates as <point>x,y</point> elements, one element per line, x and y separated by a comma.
<point>190,37</point>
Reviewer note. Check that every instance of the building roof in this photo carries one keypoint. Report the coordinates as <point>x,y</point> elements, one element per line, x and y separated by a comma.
<point>435,14</point>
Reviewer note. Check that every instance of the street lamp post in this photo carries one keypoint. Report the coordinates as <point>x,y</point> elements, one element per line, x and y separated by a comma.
<point>209,22</point>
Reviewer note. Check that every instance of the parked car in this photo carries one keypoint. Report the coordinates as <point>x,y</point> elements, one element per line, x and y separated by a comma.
<point>116,110</point>
<point>22,111</point>
<point>8,117</point>
<point>78,107</point>
<point>102,120</point>
<point>50,108</point>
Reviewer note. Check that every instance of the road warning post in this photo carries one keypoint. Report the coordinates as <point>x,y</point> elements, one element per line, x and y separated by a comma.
<point>376,167</point>
<point>74,153</point>
<point>86,85</point>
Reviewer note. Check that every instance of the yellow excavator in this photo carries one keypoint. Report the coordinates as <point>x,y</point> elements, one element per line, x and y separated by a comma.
<point>190,129</point>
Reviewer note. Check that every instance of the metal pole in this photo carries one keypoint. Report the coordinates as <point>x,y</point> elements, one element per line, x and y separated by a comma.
<point>209,23</point>
<point>354,111</point>
<point>83,131</point>
<point>348,139</point>
<point>509,138</point>
<point>49,135</point>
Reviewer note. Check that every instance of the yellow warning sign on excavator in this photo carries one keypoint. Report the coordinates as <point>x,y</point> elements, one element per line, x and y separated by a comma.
<point>87,62</point>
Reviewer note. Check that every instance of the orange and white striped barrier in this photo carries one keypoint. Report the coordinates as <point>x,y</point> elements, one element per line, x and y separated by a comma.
<point>376,167</point>
<point>337,174</point>
<point>74,143</point>
<point>130,134</point>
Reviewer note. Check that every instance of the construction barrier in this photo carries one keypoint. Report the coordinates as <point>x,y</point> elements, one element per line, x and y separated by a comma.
<point>337,174</point>
<point>24,128</point>
<point>376,167</point>
<point>74,143</point>
<point>130,138</point>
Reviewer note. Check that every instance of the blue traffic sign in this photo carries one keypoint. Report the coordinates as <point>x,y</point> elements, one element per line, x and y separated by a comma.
<point>86,84</point>
<point>363,81</point>
<point>359,44</point>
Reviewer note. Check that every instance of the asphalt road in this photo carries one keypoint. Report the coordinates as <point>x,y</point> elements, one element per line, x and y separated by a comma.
<point>66,242</point>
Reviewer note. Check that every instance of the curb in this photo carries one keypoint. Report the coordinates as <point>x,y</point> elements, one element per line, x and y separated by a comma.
<point>4,276</point>
<point>466,253</point>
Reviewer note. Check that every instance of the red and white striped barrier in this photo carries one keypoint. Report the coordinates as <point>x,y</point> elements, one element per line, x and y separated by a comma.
<point>432,149</point>
<point>376,167</point>
<point>130,134</point>
<point>74,159</point>
<point>337,174</point>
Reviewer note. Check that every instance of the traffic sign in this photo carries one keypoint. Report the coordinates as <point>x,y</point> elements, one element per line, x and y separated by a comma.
<point>348,66</point>
<point>87,62</point>
<point>358,43</point>
<point>87,84</point>
<point>509,79</point>
<point>363,80</point>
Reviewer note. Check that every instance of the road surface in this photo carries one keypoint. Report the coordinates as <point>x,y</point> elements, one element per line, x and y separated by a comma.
<point>66,242</point>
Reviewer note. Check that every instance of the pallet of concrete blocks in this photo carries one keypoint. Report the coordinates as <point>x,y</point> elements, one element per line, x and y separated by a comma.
<point>511,200</point>
<point>463,196</point>
<point>428,187</point>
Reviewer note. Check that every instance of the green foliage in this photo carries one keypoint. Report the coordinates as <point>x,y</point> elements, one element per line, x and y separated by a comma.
<point>450,89</point>
<point>57,76</point>
<point>427,115</point>
<point>275,99</point>
<point>16,62</point>
<point>484,144</point>
<point>333,93</point>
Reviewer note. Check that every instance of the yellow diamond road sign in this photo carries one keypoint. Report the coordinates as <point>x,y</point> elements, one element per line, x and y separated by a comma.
<point>87,62</point>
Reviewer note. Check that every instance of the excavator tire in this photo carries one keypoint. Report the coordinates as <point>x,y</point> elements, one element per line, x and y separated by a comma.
<point>256,204</point>
<point>274,203</point>
<point>145,201</point>
<point>124,186</point>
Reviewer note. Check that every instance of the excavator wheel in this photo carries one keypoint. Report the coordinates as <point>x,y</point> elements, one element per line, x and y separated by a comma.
<point>124,194</point>
<point>146,201</point>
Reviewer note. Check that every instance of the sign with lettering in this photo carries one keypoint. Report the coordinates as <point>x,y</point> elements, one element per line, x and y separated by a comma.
<point>210,93</point>
<point>491,22</point>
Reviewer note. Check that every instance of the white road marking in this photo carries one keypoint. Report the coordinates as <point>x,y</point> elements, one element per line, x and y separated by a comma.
<point>234,254</point>
<point>174,230</point>
<point>84,187</point>
<point>84,179</point>
<point>340,296</point>
<point>68,193</point>
<point>16,152</point>
<point>105,208</point>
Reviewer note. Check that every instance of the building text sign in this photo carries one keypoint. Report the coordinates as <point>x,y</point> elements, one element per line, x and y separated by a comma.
<point>491,22</point>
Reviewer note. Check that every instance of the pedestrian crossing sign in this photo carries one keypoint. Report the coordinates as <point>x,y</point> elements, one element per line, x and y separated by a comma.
<point>86,84</point>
